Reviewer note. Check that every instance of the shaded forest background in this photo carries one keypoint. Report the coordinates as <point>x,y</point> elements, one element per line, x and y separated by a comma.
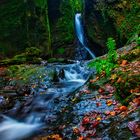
<point>48,25</point>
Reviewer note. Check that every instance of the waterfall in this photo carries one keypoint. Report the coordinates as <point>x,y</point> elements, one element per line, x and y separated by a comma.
<point>80,33</point>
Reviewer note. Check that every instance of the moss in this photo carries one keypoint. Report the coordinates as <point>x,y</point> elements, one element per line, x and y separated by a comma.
<point>126,17</point>
<point>31,55</point>
<point>53,60</point>
<point>61,51</point>
<point>131,56</point>
<point>118,19</point>
<point>22,25</point>
<point>26,73</point>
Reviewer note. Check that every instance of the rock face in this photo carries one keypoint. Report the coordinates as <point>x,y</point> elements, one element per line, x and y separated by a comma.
<point>62,28</point>
<point>110,18</point>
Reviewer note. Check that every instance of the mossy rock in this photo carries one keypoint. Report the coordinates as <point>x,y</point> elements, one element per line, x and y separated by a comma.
<point>133,55</point>
<point>53,60</point>
<point>33,51</point>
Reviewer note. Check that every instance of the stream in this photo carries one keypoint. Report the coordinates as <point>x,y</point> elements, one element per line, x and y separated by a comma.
<point>43,107</point>
<point>57,104</point>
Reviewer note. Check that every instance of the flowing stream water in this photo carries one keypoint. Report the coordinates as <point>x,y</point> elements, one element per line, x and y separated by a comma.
<point>42,108</point>
<point>80,34</point>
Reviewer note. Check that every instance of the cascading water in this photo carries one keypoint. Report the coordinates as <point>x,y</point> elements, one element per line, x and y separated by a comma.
<point>49,97</point>
<point>80,34</point>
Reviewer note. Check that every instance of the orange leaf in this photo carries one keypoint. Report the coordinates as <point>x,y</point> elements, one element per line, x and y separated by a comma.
<point>81,138</point>
<point>124,62</point>
<point>136,101</point>
<point>112,113</point>
<point>98,119</point>
<point>94,80</point>
<point>123,108</point>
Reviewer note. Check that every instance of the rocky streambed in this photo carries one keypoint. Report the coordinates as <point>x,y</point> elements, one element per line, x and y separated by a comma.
<point>60,102</point>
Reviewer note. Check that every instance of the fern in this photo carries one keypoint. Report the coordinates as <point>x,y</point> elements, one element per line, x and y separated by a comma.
<point>109,63</point>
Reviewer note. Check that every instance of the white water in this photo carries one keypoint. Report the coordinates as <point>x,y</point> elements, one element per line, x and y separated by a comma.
<point>80,33</point>
<point>74,73</point>
<point>13,130</point>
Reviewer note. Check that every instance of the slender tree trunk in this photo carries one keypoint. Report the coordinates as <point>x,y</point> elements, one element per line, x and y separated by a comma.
<point>49,49</point>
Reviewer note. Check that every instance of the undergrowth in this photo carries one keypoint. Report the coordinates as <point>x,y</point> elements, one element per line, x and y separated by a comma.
<point>106,65</point>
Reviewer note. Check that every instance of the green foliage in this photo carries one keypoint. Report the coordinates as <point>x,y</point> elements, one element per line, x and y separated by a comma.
<point>31,55</point>
<point>24,24</point>
<point>138,41</point>
<point>61,51</point>
<point>112,54</point>
<point>33,51</point>
<point>107,64</point>
<point>131,56</point>
<point>76,6</point>
<point>41,3</point>
<point>102,65</point>
<point>53,60</point>
<point>128,23</point>
<point>131,24</point>
<point>25,73</point>
<point>65,23</point>
<point>123,88</point>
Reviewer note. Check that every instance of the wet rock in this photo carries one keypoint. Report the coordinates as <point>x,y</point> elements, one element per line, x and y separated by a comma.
<point>23,90</point>
<point>2,101</point>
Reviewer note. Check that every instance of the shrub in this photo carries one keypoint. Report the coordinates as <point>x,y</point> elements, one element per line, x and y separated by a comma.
<point>109,63</point>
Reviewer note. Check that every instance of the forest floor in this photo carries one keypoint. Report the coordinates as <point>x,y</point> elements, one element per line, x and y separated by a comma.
<point>104,108</point>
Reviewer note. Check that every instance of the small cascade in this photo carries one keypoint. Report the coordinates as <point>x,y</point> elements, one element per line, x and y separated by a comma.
<point>80,34</point>
<point>48,97</point>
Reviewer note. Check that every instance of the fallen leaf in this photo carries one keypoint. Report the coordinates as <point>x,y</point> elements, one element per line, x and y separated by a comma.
<point>124,62</point>
<point>90,133</point>
<point>98,104</point>
<point>101,90</point>
<point>107,112</point>
<point>87,91</point>
<point>136,101</point>
<point>109,102</point>
<point>132,126</point>
<point>119,80</point>
<point>76,130</point>
<point>109,88</point>
<point>85,120</point>
<point>54,137</point>
<point>81,128</point>
<point>112,113</point>
<point>94,80</point>
<point>123,108</point>
<point>113,77</point>
<point>98,119</point>
<point>95,124</point>
<point>138,132</point>
<point>81,138</point>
